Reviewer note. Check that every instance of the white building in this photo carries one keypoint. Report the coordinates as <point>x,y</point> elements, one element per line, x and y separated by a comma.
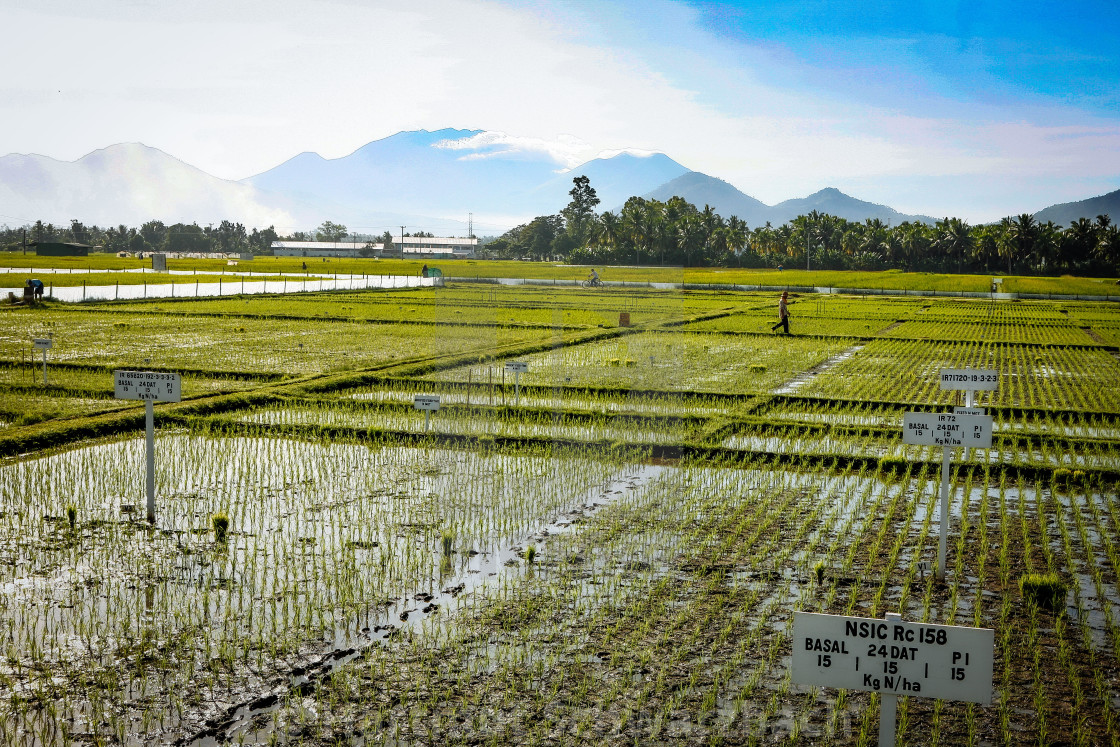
<point>322,248</point>
<point>426,247</point>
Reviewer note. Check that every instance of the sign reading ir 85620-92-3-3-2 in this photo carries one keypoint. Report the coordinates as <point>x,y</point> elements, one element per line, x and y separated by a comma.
<point>156,386</point>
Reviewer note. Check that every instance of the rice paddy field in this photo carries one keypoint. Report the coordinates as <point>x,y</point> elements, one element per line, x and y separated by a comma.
<point>608,548</point>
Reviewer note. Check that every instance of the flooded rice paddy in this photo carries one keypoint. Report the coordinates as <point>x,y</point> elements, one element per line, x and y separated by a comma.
<point>611,555</point>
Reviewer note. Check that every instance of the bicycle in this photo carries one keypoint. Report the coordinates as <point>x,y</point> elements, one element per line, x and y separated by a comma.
<point>592,283</point>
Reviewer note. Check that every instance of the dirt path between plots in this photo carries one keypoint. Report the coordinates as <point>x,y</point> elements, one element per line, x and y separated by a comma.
<point>801,379</point>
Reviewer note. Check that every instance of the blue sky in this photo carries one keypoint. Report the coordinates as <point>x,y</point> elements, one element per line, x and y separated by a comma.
<point>972,109</point>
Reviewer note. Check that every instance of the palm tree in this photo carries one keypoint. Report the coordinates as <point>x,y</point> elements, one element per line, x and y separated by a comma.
<point>1022,232</point>
<point>736,240</point>
<point>607,231</point>
<point>955,239</point>
<point>690,234</point>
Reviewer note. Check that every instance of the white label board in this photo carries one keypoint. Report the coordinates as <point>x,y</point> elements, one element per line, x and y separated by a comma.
<point>147,385</point>
<point>42,343</point>
<point>970,379</point>
<point>517,366</point>
<point>896,657</point>
<point>426,402</point>
<point>947,429</point>
<point>968,410</point>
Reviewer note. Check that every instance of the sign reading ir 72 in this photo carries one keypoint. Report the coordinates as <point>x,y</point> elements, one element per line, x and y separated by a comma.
<point>947,429</point>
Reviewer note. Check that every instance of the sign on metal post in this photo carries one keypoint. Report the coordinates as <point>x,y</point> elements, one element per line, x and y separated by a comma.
<point>947,430</point>
<point>429,403</point>
<point>44,344</point>
<point>893,657</point>
<point>151,387</point>
<point>147,385</point>
<point>969,380</point>
<point>517,368</point>
<point>949,662</point>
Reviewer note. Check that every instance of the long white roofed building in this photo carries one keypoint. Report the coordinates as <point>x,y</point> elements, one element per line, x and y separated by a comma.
<point>426,247</point>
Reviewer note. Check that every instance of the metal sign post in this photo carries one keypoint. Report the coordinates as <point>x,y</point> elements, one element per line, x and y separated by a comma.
<point>152,387</point>
<point>893,657</point>
<point>969,380</point>
<point>947,430</point>
<point>429,403</point>
<point>44,344</point>
<point>517,368</point>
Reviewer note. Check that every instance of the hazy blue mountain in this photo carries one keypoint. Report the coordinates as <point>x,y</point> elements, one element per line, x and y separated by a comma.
<point>424,180</point>
<point>451,173</point>
<point>126,183</point>
<point>1067,212</point>
<point>834,202</point>
<point>701,189</point>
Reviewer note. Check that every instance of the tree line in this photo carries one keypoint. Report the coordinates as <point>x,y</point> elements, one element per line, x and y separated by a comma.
<point>676,232</point>
<point>154,236</point>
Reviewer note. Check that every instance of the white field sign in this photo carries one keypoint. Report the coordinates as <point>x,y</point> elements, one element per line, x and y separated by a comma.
<point>147,385</point>
<point>429,403</point>
<point>947,429</point>
<point>517,368</point>
<point>970,379</point>
<point>893,657</point>
<point>44,344</point>
<point>151,387</point>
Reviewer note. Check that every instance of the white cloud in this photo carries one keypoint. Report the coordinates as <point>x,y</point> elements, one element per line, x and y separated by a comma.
<point>564,149</point>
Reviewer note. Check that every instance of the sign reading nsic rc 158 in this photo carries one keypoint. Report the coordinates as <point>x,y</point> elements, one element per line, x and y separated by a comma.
<point>517,366</point>
<point>42,343</point>
<point>147,385</point>
<point>893,656</point>
<point>970,379</point>
<point>947,429</point>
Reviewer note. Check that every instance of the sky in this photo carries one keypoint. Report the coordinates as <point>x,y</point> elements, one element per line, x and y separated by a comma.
<point>970,109</point>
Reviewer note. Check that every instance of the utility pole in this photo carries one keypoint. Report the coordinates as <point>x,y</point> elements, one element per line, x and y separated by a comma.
<point>807,236</point>
<point>402,242</point>
<point>25,241</point>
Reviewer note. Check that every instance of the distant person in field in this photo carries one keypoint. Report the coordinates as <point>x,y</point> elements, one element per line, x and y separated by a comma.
<point>424,271</point>
<point>783,313</point>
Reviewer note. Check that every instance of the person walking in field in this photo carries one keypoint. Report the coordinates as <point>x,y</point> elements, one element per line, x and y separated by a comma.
<point>783,313</point>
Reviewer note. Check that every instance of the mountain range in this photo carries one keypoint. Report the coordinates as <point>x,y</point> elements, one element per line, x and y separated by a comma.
<point>422,180</point>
